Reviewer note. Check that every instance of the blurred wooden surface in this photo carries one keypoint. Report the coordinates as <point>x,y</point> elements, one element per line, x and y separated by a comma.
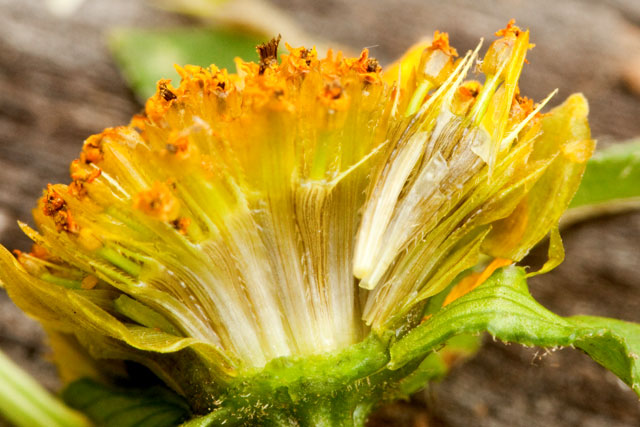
<point>58,85</point>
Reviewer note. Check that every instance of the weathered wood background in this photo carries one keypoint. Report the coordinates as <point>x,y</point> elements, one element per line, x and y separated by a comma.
<point>58,85</point>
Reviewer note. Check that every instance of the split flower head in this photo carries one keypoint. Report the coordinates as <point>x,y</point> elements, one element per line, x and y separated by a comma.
<point>293,209</point>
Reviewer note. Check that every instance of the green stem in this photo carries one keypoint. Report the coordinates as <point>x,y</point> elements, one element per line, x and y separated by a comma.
<point>25,403</point>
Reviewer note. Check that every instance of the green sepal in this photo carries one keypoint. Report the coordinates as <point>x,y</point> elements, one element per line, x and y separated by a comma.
<point>112,407</point>
<point>503,307</point>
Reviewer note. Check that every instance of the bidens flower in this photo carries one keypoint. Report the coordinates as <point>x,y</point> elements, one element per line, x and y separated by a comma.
<point>294,209</point>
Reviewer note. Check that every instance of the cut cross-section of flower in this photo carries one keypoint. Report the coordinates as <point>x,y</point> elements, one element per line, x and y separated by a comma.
<point>294,208</point>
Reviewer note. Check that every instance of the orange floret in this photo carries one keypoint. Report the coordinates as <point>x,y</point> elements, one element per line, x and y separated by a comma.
<point>510,29</point>
<point>53,201</point>
<point>81,176</point>
<point>267,90</point>
<point>441,42</point>
<point>469,90</point>
<point>55,207</point>
<point>367,68</point>
<point>78,173</point>
<point>158,202</point>
<point>299,60</point>
<point>196,79</point>
<point>465,97</point>
<point>92,149</point>
<point>159,103</point>
<point>182,224</point>
<point>64,221</point>
<point>267,84</point>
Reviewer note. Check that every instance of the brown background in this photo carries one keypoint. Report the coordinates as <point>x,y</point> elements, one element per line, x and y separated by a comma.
<point>58,85</point>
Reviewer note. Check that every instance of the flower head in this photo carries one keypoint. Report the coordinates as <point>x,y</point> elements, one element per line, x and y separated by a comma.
<point>295,206</point>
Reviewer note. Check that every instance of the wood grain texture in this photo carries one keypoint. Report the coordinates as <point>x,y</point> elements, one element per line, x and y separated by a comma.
<point>58,85</point>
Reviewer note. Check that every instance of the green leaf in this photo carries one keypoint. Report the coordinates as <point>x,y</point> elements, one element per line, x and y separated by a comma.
<point>503,307</point>
<point>611,182</point>
<point>146,56</point>
<point>152,407</point>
